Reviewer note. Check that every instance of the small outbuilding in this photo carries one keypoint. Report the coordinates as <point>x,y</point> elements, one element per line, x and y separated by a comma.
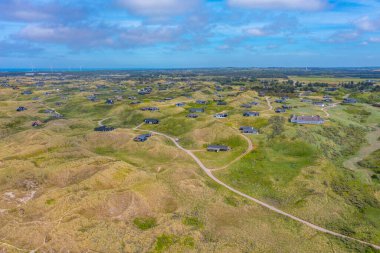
<point>248,106</point>
<point>349,101</point>
<point>196,110</point>
<point>150,109</point>
<point>313,120</point>
<point>21,108</point>
<point>218,148</point>
<point>151,121</point>
<point>104,129</point>
<point>109,102</point>
<point>36,123</point>
<point>142,137</point>
<point>192,115</point>
<point>251,114</point>
<point>248,130</point>
<point>221,115</point>
<point>201,102</point>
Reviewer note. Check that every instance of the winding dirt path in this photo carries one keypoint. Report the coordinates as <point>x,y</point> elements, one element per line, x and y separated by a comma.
<point>100,122</point>
<point>270,107</point>
<point>272,208</point>
<point>324,109</point>
<point>248,150</point>
<point>374,144</point>
<point>12,247</point>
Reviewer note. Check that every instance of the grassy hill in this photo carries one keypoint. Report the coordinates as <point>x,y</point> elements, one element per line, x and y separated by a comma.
<point>65,187</point>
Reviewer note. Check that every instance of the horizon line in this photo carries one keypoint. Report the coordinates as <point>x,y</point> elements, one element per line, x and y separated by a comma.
<point>79,69</point>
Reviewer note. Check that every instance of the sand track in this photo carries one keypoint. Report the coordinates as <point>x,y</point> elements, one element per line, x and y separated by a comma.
<point>270,207</point>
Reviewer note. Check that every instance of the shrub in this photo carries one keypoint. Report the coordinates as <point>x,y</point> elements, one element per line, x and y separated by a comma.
<point>164,241</point>
<point>145,223</point>
<point>193,221</point>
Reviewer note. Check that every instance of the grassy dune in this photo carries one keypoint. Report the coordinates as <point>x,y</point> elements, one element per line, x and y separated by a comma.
<point>65,187</point>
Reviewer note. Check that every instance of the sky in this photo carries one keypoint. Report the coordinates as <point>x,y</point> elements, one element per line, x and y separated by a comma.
<point>189,33</point>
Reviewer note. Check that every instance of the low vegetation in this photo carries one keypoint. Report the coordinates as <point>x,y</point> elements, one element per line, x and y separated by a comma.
<point>145,223</point>
<point>66,187</point>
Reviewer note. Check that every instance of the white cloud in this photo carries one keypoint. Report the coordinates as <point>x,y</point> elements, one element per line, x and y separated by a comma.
<point>305,5</point>
<point>374,40</point>
<point>367,24</point>
<point>255,31</point>
<point>158,8</point>
<point>344,36</point>
<point>83,37</point>
<point>75,37</point>
<point>37,32</point>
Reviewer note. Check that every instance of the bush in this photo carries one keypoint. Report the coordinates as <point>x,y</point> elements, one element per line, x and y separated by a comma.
<point>164,241</point>
<point>145,223</point>
<point>193,221</point>
<point>354,192</point>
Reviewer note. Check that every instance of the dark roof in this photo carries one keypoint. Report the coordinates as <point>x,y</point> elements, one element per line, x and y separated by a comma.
<point>104,129</point>
<point>142,137</point>
<point>307,119</point>
<point>36,123</point>
<point>349,100</point>
<point>154,121</point>
<point>21,108</point>
<point>196,109</point>
<point>224,115</point>
<point>192,115</point>
<point>251,114</point>
<point>218,148</point>
<point>246,128</point>
<point>150,109</point>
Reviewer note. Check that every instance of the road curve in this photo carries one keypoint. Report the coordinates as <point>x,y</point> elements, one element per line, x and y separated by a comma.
<point>373,145</point>
<point>248,150</point>
<point>272,208</point>
<point>324,109</point>
<point>100,122</point>
<point>270,107</point>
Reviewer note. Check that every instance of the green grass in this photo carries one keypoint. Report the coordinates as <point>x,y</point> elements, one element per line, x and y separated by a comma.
<point>214,160</point>
<point>231,200</point>
<point>193,221</point>
<point>137,156</point>
<point>370,98</point>
<point>297,149</point>
<point>336,141</point>
<point>145,223</point>
<point>164,241</point>
<point>188,242</point>
<point>50,201</point>
<point>128,118</point>
<point>372,162</point>
<point>268,169</point>
<point>355,192</point>
<point>176,126</point>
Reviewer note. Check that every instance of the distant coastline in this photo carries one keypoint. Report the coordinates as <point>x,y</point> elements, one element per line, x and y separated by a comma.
<point>55,70</point>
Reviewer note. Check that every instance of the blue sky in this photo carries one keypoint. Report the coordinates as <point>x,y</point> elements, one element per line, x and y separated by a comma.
<point>188,33</point>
